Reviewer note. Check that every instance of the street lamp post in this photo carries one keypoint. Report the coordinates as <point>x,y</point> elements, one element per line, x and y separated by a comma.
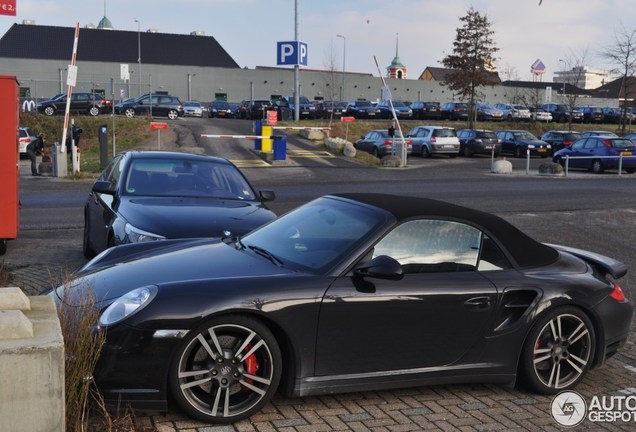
<point>139,53</point>
<point>564,71</point>
<point>190,85</point>
<point>344,57</point>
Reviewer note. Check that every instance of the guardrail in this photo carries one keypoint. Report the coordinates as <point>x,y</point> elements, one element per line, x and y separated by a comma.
<point>620,161</point>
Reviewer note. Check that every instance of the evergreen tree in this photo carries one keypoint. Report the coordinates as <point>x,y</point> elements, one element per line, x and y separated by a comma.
<point>472,60</point>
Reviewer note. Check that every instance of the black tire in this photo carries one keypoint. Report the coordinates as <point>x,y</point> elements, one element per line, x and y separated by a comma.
<point>49,110</point>
<point>597,166</point>
<point>3,246</point>
<point>452,155</point>
<point>173,114</point>
<point>518,152</point>
<point>558,351</point>
<point>211,367</point>
<point>93,111</point>
<point>86,247</point>
<point>630,170</point>
<point>560,161</point>
<point>466,152</point>
<point>375,152</point>
<point>424,153</point>
<point>129,112</point>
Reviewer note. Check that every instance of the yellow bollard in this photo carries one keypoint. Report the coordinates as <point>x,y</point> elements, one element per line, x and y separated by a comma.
<point>266,143</point>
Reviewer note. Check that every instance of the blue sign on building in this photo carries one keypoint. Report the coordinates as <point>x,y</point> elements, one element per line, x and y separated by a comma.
<point>291,53</point>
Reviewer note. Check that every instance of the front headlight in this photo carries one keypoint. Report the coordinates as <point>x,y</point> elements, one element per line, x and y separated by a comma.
<point>127,304</point>
<point>136,235</point>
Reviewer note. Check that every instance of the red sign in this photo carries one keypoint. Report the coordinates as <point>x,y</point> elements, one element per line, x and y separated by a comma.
<point>348,119</point>
<point>272,117</point>
<point>158,125</point>
<point>7,7</point>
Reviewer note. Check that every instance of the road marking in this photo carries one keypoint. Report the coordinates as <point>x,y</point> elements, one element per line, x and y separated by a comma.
<point>250,163</point>
<point>631,368</point>
<point>309,154</point>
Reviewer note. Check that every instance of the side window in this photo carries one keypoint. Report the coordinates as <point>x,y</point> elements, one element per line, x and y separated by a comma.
<point>432,246</point>
<point>115,174</point>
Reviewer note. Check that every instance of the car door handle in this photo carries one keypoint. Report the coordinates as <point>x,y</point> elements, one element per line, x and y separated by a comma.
<point>477,303</point>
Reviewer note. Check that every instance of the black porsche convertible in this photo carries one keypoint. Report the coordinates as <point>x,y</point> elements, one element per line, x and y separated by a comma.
<point>349,292</point>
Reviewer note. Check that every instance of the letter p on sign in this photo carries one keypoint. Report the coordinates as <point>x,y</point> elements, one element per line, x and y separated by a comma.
<point>291,53</point>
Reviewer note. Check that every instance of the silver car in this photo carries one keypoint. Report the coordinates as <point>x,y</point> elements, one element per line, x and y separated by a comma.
<point>433,140</point>
<point>192,109</point>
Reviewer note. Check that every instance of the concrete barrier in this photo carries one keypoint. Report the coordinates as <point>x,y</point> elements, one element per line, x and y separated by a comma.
<point>31,368</point>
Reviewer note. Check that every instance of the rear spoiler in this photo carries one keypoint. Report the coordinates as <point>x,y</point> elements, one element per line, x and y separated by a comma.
<point>616,268</point>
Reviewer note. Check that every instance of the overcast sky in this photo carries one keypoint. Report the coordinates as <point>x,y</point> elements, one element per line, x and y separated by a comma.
<point>249,29</point>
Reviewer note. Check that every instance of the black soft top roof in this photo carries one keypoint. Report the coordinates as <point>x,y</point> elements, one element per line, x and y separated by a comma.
<point>522,249</point>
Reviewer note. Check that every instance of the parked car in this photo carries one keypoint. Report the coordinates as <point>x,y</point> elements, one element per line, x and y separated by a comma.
<point>324,109</point>
<point>192,109</point>
<point>518,142</point>
<point>455,111</point>
<point>220,109</point>
<point>348,292</point>
<point>306,110</point>
<point>402,110</point>
<point>513,112</point>
<point>423,110</point>
<point>257,108</point>
<point>434,140</point>
<point>24,139</point>
<point>487,112</point>
<point>362,110</point>
<point>612,115</point>
<point>559,139</point>
<point>153,104</point>
<point>83,103</point>
<point>631,137</point>
<point>379,143</point>
<point>478,141</point>
<point>283,110</point>
<point>150,195</point>
<point>540,115</point>
<point>595,149</point>
<point>602,133</point>
<point>592,114</point>
<point>242,109</point>
<point>561,113</point>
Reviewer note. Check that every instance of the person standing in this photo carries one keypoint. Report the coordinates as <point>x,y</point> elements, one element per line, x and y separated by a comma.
<point>34,148</point>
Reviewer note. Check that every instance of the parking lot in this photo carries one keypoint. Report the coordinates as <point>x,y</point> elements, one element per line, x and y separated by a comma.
<point>595,212</point>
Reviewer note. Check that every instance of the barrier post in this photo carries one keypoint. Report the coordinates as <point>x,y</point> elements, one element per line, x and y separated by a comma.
<point>280,147</point>
<point>257,131</point>
<point>266,143</point>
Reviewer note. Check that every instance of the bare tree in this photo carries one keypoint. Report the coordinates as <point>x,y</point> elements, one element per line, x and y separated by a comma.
<point>575,68</point>
<point>332,79</point>
<point>623,55</point>
<point>472,59</point>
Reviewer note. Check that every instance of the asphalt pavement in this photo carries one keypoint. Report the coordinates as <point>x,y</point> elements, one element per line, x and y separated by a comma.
<point>594,212</point>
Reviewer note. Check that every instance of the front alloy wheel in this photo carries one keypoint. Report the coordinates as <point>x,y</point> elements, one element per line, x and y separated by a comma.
<point>129,112</point>
<point>559,351</point>
<point>93,111</point>
<point>226,370</point>
<point>49,110</point>
<point>173,115</point>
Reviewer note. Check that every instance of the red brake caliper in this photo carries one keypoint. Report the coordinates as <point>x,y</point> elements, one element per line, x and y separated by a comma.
<point>251,364</point>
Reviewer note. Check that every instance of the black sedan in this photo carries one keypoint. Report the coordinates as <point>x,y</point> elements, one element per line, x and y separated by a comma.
<point>518,142</point>
<point>349,292</point>
<point>144,195</point>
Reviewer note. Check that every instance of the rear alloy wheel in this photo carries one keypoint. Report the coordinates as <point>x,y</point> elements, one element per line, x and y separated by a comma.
<point>129,112</point>
<point>173,115</point>
<point>376,152</point>
<point>467,152</point>
<point>49,110</point>
<point>86,246</point>
<point>226,370</point>
<point>558,351</point>
<point>424,152</point>
<point>597,167</point>
<point>518,152</point>
<point>94,111</point>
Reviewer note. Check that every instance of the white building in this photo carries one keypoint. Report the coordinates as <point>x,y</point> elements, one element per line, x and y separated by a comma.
<point>582,77</point>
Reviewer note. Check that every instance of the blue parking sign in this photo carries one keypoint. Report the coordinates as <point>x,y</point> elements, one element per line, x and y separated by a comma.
<point>291,53</point>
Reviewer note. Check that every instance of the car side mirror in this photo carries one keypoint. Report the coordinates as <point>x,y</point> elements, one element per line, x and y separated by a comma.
<point>103,186</point>
<point>381,267</point>
<point>267,195</point>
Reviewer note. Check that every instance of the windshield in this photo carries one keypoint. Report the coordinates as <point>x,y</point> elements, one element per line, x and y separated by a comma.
<point>363,103</point>
<point>524,136</point>
<point>318,235</point>
<point>186,178</point>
